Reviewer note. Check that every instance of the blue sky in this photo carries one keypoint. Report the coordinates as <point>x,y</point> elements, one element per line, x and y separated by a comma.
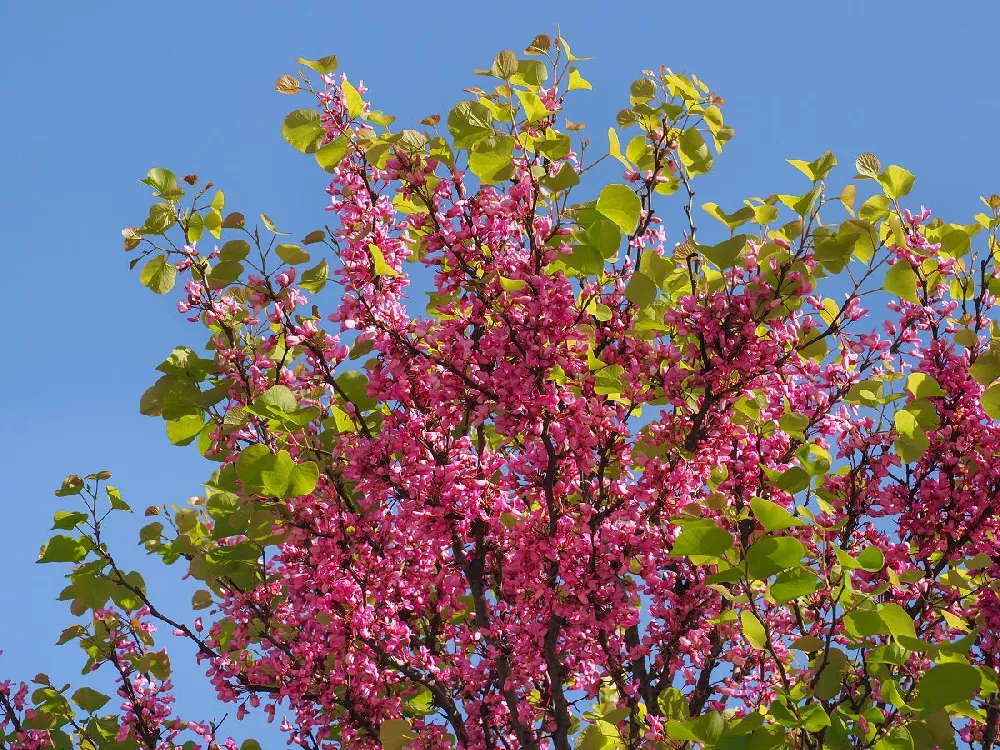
<point>97,93</point>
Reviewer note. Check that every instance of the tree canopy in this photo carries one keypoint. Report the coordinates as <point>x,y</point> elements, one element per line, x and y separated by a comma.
<point>615,487</point>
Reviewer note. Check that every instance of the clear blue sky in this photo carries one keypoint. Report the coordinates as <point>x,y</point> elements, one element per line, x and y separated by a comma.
<point>95,93</point>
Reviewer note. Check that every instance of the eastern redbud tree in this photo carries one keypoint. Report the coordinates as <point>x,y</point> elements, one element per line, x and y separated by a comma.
<point>618,487</point>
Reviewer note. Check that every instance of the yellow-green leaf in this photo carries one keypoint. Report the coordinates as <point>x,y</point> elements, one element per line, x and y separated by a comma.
<point>901,280</point>
<point>378,259</point>
<point>753,630</point>
<point>620,204</point>
<point>896,182</point>
<point>323,65</point>
<point>355,105</point>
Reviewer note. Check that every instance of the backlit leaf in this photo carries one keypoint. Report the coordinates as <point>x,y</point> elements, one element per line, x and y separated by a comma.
<point>620,204</point>
<point>303,130</point>
<point>158,275</point>
<point>701,536</point>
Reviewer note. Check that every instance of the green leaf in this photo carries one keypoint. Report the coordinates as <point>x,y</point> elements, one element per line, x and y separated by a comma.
<point>303,480</point>
<point>221,504</point>
<point>530,73</point>
<point>315,278</point>
<point>251,462</point>
<point>896,182</point>
<point>814,718</point>
<point>292,254</point>
<point>195,227</point>
<point>640,289</point>
<point>753,630</point>
<point>585,259</point>
<point>794,424</point>
<point>901,280</point>
<point>333,153</point>
<point>794,583</point>
<point>223,274</point>
<point>201,599</point>
<point>355,105</point>
<point>185,429</point>
<point>864,623</point>
<point>469,122</point>
<point>151,531</point>
<point>576,81</point>
<point>945,684</point>
<point>673,703</point>
<point>159,664</point>
<point>793,480</point>
<point>504,65</point>
<point>725,254</point>
<point>564,179</point>
<point>512,285</point>
<point>164,183</point>
<point>694,152</point>
<point>323,65</point>
<point>922,385</point>
<point>911,449</point>
<point>161,218</point>
<point>871,559</point>
<point>900,623</point>
<point>115,499</point>
<point>846,559</point>
<point>283,478</point>
<point>615,148</point>
<point>276,475</point>
<point>395,734</point>
<point>986,369</point>
<point>701,536</point>
<point>379,266</point>
<point>991,402</point>
<point>834,252</point>
<point>490,158</point>
<point>772,555</point>
<point>534,107</point>
<point>234,251</point>
<point>874,209</point>
<point>733,220</point>
<point>907,425</point>
<point>67,520</point>
<point>642,90</point>
<point>620,204</point>
<point>609,380</point>
<point>126,597</point>
<point>772,516</point>
<point>89,699</point>
<point>829,684</point>
<point>818,169</point>
<point>605,236</point>
<point>898,739</point>
<point>592,738</point>
<point>279,398</point>
<point>304,130</point>
<point>655,266</point>
<point>355,385</point>
<point>62,548</point>
<point>554,145</point>
<point>158,274</point>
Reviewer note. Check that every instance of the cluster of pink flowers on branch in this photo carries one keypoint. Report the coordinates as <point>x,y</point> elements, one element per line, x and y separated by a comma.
<point>616,488</point>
